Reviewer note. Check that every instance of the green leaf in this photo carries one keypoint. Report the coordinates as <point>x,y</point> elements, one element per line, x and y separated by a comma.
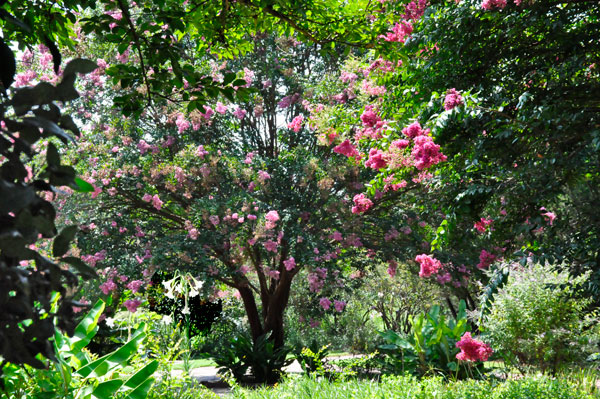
<point>107,389</point>
<point>82,186</point>
<point>82,268</point>
<point>141,392</point>
<point>61,243</point>
<point>142,375</point>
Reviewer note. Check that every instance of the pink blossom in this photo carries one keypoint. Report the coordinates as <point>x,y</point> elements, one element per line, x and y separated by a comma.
<point>453,99</point>
<point>550,216</point>
<point>486,259</point>
<point>272,216</point>
<point>248,76</point>
<point>482,225</point>
<point>339,305</point>
<point>200,151</point>
<point>426,153</point>
<point>251,217</point>
<point>288,100</point>
<point>428,265</point>
<point>132,304</point>
<point>347,149</point>
<point>270,245</point>
<point>348,77</point>
<point>296,123</point>
<point>135,285</point>
<point>262,176</point>
<point>181,123</point>
<point>193,233</point>
<point>156,202</point>
<point>325,303</point>
<point>108,286</point>
<point>444,278</point>
<point>143,146</point>
<point>391,234</point>
<point>239,113</point>
<point>369,117</point>
<point>490,4</point>
<point>473,350</point>
<point>400,144</point>
<point>336,236</point>
<point>361,203</point>
<point>274,274</point>
<point>249,157</point>
<point>314,323</point>
<point>376,159</point>
<point>289,263</point>
<point>413,130</point>
<point>399,32</point>
<point>221,108</point>
<point>392,267</point>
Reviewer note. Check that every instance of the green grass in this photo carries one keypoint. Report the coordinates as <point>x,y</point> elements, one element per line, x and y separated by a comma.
<point>530,387</point>
<point>195,363</point>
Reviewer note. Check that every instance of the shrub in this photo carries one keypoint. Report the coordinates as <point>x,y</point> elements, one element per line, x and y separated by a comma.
<point>538,318</point>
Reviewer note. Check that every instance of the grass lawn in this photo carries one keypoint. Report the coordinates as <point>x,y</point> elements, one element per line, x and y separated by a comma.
<point>195,363</point>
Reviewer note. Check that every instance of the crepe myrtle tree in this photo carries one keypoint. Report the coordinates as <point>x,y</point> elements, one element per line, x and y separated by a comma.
<point>239,195</point>
<point>507,90</point>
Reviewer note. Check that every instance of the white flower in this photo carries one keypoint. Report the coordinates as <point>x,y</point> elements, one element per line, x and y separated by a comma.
<point>185,310</point>
<point>110,322</point>
<point>167,319</point>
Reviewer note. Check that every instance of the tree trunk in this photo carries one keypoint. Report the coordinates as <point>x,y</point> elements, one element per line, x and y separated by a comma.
<point>252,312</point>
<point>277,302</point>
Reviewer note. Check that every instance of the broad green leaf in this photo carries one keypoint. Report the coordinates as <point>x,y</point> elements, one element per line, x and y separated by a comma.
<point>107,389</point>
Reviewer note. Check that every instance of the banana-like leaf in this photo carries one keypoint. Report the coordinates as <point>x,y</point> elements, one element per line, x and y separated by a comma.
<point>142,375</point>
<point>107,389</point>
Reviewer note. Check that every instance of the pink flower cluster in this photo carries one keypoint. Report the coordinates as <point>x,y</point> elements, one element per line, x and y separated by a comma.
<point>413,130</point>
<point>453,99</point>
<point>361,203</point>
<point>325,303</point>
<point>339,305</point>
<point>108,287</point>
<point>472,350</point>
<point>296,123</point>
<point>486,259</point>
<point>426,153</point>
<point>289,264</point>
<point>399,32</point>
<point>429,265</point>
<point>135,285</point>
<point>376,159</point>
<point>347,149</point>
<point>316,279</point>
<point>369,118</point>
<point>132,304</point>
<point>482,225</point>
<point>491,4</point>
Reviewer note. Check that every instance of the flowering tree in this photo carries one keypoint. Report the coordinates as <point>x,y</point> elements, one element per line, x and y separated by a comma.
<point>251,209</point>
<point>494,87</point>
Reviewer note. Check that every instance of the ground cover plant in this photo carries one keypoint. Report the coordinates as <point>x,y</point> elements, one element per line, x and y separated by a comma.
<point>411,388</point>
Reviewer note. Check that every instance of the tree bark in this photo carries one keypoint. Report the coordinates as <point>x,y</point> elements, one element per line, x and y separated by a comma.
<point>251,311</point>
